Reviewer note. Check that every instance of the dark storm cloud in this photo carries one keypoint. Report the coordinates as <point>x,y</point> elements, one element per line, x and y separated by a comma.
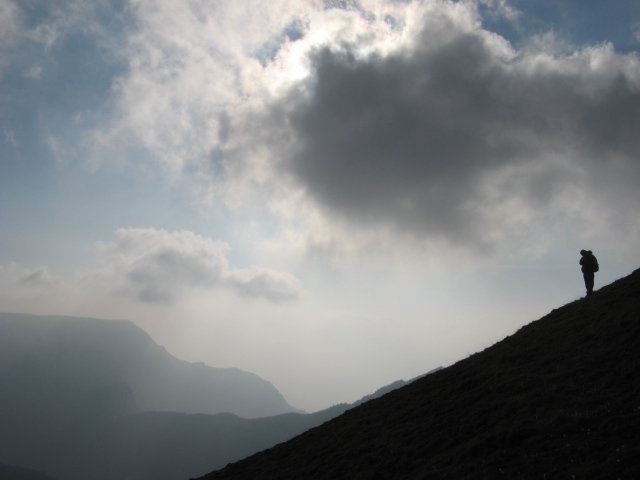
<point>408,139</point>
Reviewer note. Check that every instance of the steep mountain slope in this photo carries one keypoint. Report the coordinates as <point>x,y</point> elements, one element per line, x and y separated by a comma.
<point>169,446</point>
<point>558,399</point>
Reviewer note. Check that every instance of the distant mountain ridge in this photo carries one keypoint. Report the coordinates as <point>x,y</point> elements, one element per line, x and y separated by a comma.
<point>78,401</point>
<point>64,379</point>
<point>116,359</point>
<point>558,399</point>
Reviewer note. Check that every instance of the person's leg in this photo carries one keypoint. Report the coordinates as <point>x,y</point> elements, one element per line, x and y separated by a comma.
<point>588,282</point>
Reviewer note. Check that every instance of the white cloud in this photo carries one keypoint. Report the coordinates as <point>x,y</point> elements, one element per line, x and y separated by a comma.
<point>188,62</point>
<point>155,267</point>
<point>158,266</point>
<point>267,283</point>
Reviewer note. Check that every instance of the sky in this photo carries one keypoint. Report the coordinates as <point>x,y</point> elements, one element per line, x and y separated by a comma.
<point>333,195</point>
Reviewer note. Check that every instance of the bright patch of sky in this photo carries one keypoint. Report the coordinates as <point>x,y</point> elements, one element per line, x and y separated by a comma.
<point>331,194</point>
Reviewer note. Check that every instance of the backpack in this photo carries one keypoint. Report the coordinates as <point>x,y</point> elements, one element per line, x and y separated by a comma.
<point>594,263</point>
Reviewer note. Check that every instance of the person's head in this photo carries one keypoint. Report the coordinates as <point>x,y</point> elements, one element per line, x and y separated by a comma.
<point>583,252</point>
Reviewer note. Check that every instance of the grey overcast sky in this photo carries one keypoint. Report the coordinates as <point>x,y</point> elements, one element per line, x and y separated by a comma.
<point>331,194</point>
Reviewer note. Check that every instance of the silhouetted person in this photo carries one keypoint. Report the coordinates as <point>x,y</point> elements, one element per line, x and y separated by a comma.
<point>590,266</point>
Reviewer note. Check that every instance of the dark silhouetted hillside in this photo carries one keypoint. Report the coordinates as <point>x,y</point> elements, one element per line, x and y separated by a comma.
<point>559,399</point>
<point>16,473</point>
<point>166,446</point>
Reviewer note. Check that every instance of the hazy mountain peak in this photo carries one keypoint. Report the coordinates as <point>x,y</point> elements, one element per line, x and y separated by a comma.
<point>98,355</point>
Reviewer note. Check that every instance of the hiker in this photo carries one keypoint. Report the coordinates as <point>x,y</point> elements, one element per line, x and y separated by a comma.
<point>590,266</point>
